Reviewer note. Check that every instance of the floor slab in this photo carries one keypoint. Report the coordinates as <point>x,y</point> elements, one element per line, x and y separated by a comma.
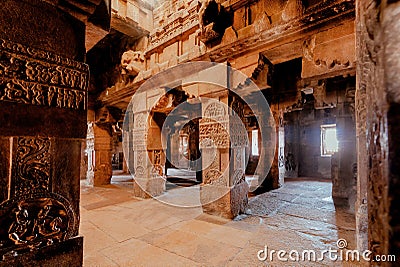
<point>121,230</point>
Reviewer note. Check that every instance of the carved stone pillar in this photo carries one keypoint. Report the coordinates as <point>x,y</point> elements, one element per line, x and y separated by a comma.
<point>344,164</point>
<point>268,171</point>
<point>99,148</point>
<point>281,156</point>
<point>222,144</point>
<point>84,160</point>
<point>43,106</point>
<point>378,109</point>
<point>149,159</point>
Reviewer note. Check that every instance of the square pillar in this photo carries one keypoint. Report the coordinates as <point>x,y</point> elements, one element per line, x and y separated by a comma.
<point>43,109</point>
<point>149,158</point>
<point>222,144</point>
<point>99,148</point>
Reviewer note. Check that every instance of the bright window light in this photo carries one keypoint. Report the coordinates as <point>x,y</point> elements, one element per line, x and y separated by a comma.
<point>329,142</point>
<point>254,142</point>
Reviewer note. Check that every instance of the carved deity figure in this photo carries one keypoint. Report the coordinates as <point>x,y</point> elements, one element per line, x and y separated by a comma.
<point>46,225</point>
<point>35,228</point>
<point>19,228</point>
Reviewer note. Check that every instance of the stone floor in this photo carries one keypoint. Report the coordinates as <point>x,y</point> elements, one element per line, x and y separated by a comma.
<point>120,230</point>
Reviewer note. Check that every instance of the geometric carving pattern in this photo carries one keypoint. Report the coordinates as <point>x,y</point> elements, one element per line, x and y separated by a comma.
<point>36,77</point>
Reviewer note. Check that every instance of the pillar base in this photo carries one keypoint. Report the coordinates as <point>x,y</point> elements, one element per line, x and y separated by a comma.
<point>102,176</point>
<point>148,187</point>
<point>233,202</point>
<point>67,253</point>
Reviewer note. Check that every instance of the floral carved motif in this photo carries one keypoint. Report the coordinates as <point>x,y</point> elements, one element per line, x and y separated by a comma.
<point>31,165</point>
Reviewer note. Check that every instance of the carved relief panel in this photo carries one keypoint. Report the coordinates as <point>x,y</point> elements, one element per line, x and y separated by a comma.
<point>214,126</point>
<point>32,166</point>
<point>34,216</point>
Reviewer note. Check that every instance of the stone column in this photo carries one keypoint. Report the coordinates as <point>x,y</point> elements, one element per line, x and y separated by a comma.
<point>364,80</point>
<point>281,156</point>
<point>149,158</point>
<point>99,146</point>
<point>84,160</point>
<point>378,109</point>
<point>344,164</point>
<point>127,144</point>
<point>43,107</point>
<point>268,170</point>
<point>222,144</point>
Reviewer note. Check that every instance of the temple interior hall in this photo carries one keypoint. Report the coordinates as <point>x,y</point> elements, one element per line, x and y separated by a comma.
<point>199,133</point>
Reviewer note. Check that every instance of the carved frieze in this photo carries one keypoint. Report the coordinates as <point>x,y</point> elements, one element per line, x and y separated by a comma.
<point>36,77</point>
<point>313,16</point>
<point>213,134</point>
<point>44,95</point>
<point>215,111</point>
<point>183,21</point>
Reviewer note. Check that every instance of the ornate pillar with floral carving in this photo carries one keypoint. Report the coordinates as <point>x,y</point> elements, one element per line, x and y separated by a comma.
<point>43,110</point>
